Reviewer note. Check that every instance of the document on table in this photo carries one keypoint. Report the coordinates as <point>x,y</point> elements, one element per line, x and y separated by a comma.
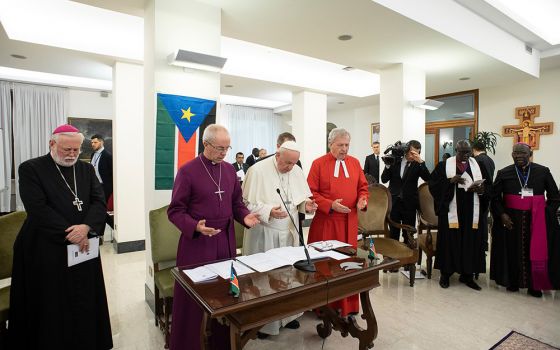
<point>223,268</point>
<point>200,274</point>
<point>263,262</point>
<point>75,256</point>
<point>328,245</point>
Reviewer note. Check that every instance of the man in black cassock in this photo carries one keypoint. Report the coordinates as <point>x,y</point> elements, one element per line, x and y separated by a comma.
<point>459,202</point>
<point>525,236</point>
<point>479,152</point>
<point>53,306</point>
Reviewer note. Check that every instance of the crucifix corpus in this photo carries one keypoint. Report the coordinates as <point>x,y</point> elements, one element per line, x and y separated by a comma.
<point>528,131</point>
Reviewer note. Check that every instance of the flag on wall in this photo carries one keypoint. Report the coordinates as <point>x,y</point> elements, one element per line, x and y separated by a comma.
<point>177,139</point>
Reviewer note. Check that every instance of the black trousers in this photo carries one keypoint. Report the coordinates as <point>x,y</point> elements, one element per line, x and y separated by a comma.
<point>401,215</point>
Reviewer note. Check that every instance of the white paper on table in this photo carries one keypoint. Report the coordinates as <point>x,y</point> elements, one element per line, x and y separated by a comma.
<point>200,274</point>
<point>223,268</point>
<point>263,262</point>
<point>241,175</point>
<point>75,256</point>
<point>328,245</point>
<point>334,255</point>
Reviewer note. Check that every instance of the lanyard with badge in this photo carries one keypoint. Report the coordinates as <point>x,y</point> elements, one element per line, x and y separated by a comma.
<point>525,191</point>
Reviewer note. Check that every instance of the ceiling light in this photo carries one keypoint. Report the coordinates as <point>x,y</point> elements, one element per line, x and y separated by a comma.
<point>539,17</point>
<point>340,103</point>
<point>21,57</point>
<point>348,68</point>
<point>196,60</point>
<point>345,37</point>
<point>228,85</point>
<point>465,78</point>
<point>427,104</point>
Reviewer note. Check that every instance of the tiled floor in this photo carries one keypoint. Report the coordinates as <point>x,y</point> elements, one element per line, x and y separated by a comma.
<point>423,317</point>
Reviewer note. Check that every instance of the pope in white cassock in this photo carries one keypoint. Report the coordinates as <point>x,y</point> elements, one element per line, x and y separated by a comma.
<point>261,197</point>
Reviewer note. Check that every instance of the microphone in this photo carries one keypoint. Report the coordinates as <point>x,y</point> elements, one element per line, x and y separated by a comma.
<point>303,265</point>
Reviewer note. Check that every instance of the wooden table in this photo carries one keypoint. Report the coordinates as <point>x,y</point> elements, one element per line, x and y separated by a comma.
<point>283,292</point>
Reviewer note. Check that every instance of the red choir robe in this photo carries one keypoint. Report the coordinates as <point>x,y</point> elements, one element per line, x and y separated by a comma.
<point>328,224</point>
<point>195,198</point>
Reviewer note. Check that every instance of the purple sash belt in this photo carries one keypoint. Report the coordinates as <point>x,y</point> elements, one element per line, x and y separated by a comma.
<point>539,244</point>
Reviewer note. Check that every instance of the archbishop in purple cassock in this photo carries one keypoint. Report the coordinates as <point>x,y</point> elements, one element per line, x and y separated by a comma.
<point>206,199</point>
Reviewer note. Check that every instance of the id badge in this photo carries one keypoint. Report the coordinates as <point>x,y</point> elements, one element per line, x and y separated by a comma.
<point>526,192</point>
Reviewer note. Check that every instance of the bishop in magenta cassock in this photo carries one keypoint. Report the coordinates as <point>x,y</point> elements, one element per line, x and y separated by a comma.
<point>340,189</point>
<point>206,199</point>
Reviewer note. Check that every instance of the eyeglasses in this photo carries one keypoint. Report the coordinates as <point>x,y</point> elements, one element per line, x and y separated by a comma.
<point>220,149</point>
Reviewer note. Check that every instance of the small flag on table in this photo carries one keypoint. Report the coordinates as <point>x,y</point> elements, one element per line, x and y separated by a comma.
<point>234,283</point>
<point>372,253</point>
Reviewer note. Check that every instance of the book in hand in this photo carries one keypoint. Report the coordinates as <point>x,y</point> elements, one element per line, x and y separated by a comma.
<point>76,257</point>
<point>476,183</point>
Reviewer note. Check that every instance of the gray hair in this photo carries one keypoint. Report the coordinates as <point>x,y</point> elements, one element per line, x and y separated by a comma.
<point>336,133</point>
<point>210,132</point>
<point>55,137</point>
<point>464,142</point>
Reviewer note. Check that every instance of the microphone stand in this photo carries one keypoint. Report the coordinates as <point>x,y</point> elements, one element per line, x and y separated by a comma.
<point>303,265</point>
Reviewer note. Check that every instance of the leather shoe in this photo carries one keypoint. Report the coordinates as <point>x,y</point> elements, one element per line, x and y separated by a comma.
<point>512,289</point>
<point>262,335</point>
<point>292,324</point>
<point>444,281</point>
<point>472,284</point>
<point>534,293</point>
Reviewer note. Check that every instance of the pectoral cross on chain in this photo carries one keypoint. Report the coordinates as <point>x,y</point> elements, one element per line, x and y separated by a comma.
<point>219,193</point>
<point>78,203</point>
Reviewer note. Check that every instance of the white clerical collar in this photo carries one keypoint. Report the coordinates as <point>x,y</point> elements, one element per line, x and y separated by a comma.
<point>337,168</point>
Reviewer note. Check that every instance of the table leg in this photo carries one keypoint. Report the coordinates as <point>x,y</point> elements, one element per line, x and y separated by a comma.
<point>205,331</point>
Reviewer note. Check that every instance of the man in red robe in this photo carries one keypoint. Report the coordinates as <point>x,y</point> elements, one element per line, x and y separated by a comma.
<point>206,199</point>
<point>339,188</point>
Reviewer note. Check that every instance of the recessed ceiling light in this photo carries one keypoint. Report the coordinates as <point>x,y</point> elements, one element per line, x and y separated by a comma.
<point>348,68</point>
<point>228,85</point>
<point>21,57</point>
<point>345,37</point>
<point>341,103</point>
<point>464,78</point>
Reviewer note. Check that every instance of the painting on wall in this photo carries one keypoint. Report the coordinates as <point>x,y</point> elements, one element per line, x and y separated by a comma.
<point>374,133</point>
<point>90,127</point>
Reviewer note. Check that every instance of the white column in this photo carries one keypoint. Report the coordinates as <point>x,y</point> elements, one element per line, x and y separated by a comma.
<point>170,25</point>
<point>309,125</point>
<point>399,120</point>
<point>128,158</point>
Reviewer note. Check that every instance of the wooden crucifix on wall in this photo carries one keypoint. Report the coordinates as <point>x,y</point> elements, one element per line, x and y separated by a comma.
<point>528,131</point>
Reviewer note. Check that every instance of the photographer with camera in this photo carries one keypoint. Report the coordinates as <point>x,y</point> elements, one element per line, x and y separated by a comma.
<point>403,167</point>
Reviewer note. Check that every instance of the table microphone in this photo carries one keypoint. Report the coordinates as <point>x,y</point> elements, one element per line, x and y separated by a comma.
<point>303,265</point>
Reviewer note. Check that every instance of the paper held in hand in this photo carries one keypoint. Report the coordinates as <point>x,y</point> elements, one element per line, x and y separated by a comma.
<point>469,183</point>
<point>76,257</point>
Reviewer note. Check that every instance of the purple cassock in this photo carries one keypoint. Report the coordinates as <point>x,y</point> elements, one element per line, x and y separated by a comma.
<point>202,190</point>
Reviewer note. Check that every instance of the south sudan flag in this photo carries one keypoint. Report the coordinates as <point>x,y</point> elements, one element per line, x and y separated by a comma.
<point>372,253</point>
<point>234,282</point>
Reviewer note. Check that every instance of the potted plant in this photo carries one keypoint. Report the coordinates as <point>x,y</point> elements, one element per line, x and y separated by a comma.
<point>487,139</point>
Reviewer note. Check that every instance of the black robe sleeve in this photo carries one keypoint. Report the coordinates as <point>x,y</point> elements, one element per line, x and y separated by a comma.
<point>441,189</point>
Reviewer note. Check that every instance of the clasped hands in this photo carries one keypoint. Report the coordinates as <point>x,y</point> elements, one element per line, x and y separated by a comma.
<point>249,220</point>
<point>77,234</point>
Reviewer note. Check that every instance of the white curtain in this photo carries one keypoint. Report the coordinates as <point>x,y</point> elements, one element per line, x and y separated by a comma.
<point>250,128</point>
<point>38,110</point>
<point>5,146</point>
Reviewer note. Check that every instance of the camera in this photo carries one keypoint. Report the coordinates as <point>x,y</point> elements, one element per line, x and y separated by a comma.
<point>394,152</point>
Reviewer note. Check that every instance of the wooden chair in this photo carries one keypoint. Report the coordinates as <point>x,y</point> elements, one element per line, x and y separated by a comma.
<point>376,221</point>
<point>428,222</point>
<point>10,225</point>
<point>164,241</point>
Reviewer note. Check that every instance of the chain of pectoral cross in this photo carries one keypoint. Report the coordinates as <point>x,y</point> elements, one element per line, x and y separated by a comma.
<point>219,191</point>
<point>77,202</point>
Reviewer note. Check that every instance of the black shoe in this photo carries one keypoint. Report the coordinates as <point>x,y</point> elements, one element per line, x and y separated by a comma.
<point>534,293</point>
<point>292,324</point>
<point>465,278</point>
<point>512,289</point>
<point>444,281</point>
<point>262,335</point>
<point>472,284</point>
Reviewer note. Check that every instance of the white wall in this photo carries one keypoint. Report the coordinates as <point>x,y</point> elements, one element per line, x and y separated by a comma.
<point>497,108</point>
<point>89,104</point>
<point>358,123</point>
